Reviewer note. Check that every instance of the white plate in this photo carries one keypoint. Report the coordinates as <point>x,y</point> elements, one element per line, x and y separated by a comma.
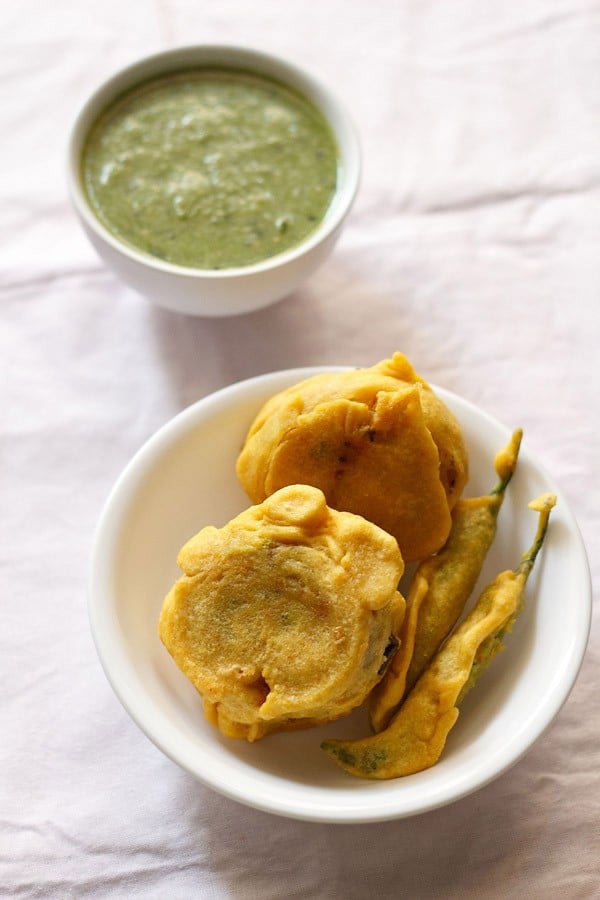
<point>184,478</point>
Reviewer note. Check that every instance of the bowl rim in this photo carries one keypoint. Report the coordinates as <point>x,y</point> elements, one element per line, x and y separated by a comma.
<point>245,789</point>
<point>232,56</point>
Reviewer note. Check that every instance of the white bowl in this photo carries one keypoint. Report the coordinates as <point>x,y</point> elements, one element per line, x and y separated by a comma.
<point>184,478</point>
<point>223,292</point>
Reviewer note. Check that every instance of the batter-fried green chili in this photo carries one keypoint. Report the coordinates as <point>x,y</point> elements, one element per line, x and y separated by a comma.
<point>441,587</point>
<point>416,736</point>
<point>511,582</point>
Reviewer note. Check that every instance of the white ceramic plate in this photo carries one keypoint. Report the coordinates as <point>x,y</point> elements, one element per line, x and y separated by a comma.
<point>184,478</point>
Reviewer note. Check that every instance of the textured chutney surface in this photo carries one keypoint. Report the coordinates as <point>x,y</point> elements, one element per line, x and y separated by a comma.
<point>211,168</point>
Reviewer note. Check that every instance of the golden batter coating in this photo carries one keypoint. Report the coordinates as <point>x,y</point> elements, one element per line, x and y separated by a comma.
<point>378,442</point>
<point>283,617</point>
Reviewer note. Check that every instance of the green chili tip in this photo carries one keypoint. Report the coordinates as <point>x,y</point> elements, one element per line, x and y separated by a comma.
<point>543,505</point>
<point>506,462</point>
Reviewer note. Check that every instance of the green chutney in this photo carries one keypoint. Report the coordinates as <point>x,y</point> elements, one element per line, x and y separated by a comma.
<point>211,168</point>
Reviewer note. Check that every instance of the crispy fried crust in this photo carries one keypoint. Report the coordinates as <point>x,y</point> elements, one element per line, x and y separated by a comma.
<point>283,616</point>
<point>378,442</point>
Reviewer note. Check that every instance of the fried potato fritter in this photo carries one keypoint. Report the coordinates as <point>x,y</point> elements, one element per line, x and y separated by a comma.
<point>378,442</point>
<point>283,617</point>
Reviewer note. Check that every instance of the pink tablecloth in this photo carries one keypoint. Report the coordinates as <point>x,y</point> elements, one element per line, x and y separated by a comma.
<point>474,247</point>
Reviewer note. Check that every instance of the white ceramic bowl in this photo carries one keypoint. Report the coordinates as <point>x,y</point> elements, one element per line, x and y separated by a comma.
<point>183,479</point>
<point>223,292</point>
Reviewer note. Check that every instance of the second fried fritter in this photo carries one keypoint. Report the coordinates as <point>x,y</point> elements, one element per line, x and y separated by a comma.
<point>378,442</point>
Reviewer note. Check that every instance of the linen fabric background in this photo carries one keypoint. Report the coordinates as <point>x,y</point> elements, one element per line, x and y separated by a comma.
<point>474,247</point>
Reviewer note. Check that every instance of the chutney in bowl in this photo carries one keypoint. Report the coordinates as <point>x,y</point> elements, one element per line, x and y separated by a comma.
<point>213,179</point>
